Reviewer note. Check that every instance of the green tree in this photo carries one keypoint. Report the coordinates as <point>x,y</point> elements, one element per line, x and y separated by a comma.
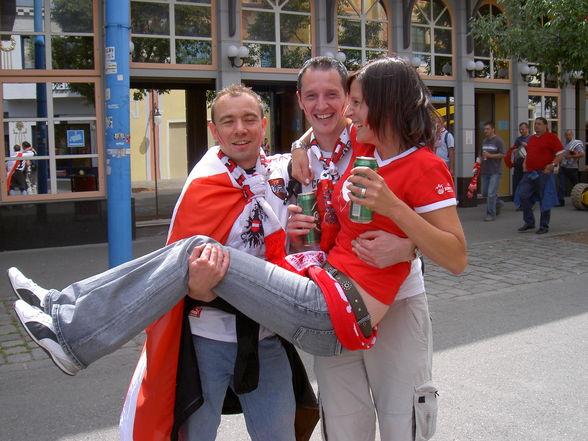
<point>551,33</point>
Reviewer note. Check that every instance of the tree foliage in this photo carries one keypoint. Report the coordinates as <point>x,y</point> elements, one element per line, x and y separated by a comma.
<point>551,33</point>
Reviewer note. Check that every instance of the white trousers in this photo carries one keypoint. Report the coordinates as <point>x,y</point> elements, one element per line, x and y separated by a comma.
<point>393,379</point>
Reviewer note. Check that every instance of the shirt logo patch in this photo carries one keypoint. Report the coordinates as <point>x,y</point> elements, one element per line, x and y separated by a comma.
<point>440,188</point>
<point>278,187</point>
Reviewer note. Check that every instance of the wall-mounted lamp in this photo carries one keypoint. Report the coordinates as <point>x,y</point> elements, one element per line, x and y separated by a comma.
<point>474,66</point>
<point>157,117</point>
<point>339,56</point>
<point>576,75</point>
<point>527,70</point>
<point>416,61</point>
<point>237,55</point>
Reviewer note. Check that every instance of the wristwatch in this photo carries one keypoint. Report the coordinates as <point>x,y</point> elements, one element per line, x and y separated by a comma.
<point>298,144</point>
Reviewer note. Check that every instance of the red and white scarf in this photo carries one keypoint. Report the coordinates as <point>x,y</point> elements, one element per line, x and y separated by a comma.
<point>327,179</point>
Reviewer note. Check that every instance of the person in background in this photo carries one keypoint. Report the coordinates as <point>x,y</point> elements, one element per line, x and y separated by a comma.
<point>519,154</point>
<point>445,148</point>
<point>493,150</point>
<point>544,153</point>
<point>569,166</point>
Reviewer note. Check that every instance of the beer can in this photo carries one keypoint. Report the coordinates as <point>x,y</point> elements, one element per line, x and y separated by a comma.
<point>308,203</point>
<point>360,213</point>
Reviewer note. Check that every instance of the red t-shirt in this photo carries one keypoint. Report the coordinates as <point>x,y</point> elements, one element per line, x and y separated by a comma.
<point>420,179</point>
<point>541,150</point>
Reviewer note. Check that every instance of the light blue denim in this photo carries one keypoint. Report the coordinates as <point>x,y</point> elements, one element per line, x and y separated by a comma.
<point>269,410</point>
<point>490,185</point>
<point>98,315</point>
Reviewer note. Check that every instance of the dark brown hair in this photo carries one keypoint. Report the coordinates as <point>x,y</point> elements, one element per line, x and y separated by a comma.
<point>397,100</point>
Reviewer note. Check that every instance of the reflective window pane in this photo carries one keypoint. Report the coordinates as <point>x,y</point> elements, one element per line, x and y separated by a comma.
<point>297,6</point>
<point>193,21</point>
<point>76,175</point>
<point>376,34</point>
<point>193,52</point>
<point>439,9</point>
<point>294,28</point>
<point>151,50</point>
<point>258,26</point>
<point>19,52</point>
<point>349,7</point>
<point>72,52</point>
<point>20,100</point>
<point>442,41</point>
<point>444,19</point>
<point>353,59</point>
<point>418,17</point>
<point>71,16</point>
<point>259,4</point>
<point>421,39</point>
<point>372,55</point>
<point>75,137</point>
<point>443,66</point>
<point>349,32</point>
<point>203,2</point>
<point>424,6</point>
<point>261,55</point>
<point>11,21</point>
<point>376,11</point>
<point>73,99</point>
<point>149,18</point>
<point>293,57</point>
<point>425,67</point>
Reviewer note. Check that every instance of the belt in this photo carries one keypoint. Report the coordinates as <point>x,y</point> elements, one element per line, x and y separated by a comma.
<point>362,316</point>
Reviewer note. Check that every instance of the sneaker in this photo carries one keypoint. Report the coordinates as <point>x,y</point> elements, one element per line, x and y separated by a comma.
<point>40,328</point>
<point>542,230</point>
<point>525,228</point>
<point>489,219</point>
<point>27,290</point>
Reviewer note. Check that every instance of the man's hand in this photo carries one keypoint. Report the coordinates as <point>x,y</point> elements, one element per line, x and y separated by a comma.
<point>382,249</point>
<point>299,225</point>
<point>207,265</point>
<point>301,167</point>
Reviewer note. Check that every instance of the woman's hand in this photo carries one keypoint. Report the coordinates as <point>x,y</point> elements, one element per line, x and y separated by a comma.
<point>377,196</point>
<point>207,266</point>
<point>382,249</point>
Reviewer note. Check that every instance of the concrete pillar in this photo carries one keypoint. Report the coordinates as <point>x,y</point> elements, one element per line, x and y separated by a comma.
<point>227,74</point>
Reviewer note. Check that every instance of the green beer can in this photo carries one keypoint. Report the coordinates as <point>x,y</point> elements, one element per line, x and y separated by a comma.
<point>359,213</point>
<point>307,201</point>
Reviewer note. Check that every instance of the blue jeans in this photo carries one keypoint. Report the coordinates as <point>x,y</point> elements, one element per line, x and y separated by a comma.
<point>268,410</point>
<point>531,189</point>
<point>98,315</point>
<point>490,185</point>
<point>566,174</point>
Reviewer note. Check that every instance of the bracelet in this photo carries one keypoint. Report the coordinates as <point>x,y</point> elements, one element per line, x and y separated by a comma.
<point>298,144</point>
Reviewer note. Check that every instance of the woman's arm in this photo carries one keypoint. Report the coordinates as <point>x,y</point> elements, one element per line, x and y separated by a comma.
<point>438,234</point>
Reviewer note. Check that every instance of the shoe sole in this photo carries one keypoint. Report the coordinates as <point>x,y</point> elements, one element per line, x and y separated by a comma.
<point>25,295</point>
<point>53,357</point>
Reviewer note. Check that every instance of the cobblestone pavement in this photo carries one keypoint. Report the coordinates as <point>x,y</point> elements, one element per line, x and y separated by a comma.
<point>495,266</point>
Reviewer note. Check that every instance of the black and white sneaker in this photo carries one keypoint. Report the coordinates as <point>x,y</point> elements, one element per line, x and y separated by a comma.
<point>27,290</point>
<point>40,328</point>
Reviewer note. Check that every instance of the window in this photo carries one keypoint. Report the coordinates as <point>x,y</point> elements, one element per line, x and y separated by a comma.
<point>172,32</point>
<point>59,120</point>
<point>277,32</point>
<point>432,37</point>
<point>546,106</point>
<point>541,80</point>
<point>62,39</point>
<point>494,68</point>
<point>362,30</point>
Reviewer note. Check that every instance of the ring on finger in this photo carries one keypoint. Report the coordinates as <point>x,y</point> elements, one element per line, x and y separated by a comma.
<point>363,190</point>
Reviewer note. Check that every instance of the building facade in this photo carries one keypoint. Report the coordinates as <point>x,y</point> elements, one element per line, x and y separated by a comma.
<point>53,64</point>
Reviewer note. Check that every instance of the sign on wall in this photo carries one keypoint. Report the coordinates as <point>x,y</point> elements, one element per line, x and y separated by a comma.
<point>75,138</point>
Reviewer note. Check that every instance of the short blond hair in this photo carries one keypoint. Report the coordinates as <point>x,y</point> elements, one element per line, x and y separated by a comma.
<point>235,90</point>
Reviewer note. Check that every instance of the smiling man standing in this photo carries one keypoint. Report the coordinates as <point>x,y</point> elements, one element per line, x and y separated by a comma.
<point>198,355</point>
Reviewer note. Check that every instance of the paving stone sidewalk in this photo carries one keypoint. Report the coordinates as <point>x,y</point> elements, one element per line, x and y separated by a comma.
<point>495,266</point>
